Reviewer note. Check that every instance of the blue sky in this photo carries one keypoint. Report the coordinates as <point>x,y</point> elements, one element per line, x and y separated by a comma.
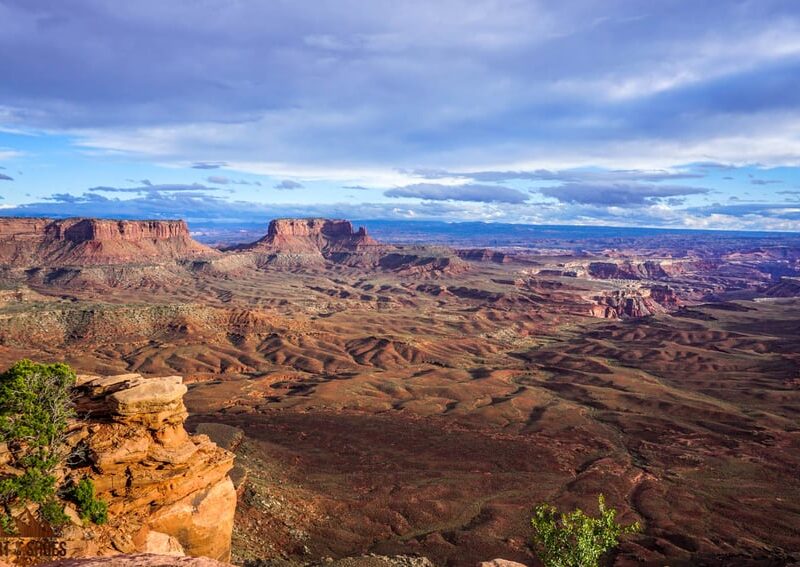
<point>664,113</point>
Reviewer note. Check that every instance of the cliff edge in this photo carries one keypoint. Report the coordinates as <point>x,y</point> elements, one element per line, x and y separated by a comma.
<point>26,242</point>
<point>313,235</point>
<point>167,491</point>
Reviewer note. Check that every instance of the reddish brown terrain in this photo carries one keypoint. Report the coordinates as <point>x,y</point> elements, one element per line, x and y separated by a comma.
<point>420,400</point>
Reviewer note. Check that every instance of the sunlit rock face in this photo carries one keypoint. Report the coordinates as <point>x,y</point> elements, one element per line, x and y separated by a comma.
<point>91,242</point>
<point>168,491</point>
<point>314,235</point>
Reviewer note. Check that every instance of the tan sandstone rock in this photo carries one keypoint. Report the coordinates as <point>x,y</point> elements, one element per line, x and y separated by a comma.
<point>196,520</point>
<point>163,544</point>
<point>167,492</point>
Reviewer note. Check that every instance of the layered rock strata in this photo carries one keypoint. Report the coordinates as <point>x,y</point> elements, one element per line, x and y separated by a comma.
<point>307,235</point>
<point>167,491</point>
<point>32,242</point>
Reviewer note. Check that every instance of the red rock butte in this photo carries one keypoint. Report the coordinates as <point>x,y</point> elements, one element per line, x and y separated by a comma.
<point>39,241</point>
<point>313,235</point>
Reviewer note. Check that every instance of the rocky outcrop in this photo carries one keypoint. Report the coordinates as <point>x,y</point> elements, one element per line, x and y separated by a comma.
<point>313,236</point>
<point>484,255</point>
<point>643,270</point>
<point>291,243</point>
<point>423,263</point>
<point>626,270</point>
<point>636,302</point>
<point>167,491</point>
<point>314,242</point>
<point>93,242</point>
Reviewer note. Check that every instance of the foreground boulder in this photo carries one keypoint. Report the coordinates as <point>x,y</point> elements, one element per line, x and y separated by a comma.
<point>167,492</point>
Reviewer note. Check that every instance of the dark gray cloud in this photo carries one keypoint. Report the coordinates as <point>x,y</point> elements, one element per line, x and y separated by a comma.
<point>617,194</point>
<point>765,181</point>
<point>288,185</point>
<point>565,175</point>
<point>782,211</point>
<point>222,180</point>
<point>417,82</point>
<point>4,177</point>
<point>70,199</point>
<point>148,187</point>
<point>712,165</point>
<point>200,207</point>
<point>207,208</point>
<point>469,192</point>
<point>208,165</point>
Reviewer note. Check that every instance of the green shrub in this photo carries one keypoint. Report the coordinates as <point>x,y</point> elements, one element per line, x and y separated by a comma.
<point>90,508</point>
<point>35,409</point>
<point>52,512</point>
<point>575,539</point>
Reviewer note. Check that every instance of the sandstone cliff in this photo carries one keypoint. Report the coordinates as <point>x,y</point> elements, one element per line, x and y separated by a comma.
<point>316,242</point>
<point>484,255</point>
<point>30,242</point>
<point>167,491</point>
<point>639,302</point>
<point>313,236</point>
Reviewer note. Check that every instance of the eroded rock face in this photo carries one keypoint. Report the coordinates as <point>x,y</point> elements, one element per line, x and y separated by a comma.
<point>92,242</point>
<point>83,230</point>
<point>293,243</point>
<point>640,302</point>
<point>332,228</point>
<point>638,270</point>
<point>314,236</point>
<point>484,255</point>
<point>168,492</point>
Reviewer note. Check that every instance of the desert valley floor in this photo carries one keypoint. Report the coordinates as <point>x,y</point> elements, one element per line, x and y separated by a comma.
<point>421,399</point>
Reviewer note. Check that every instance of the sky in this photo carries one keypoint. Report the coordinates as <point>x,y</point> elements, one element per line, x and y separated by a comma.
<point>660,113</point>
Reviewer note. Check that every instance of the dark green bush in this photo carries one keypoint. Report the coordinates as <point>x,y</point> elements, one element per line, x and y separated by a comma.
<point>35,409</point>
<point>576,539</point>
<point>90,508</point>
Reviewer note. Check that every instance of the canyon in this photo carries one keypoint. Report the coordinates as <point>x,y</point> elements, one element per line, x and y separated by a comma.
<point>413,399</point>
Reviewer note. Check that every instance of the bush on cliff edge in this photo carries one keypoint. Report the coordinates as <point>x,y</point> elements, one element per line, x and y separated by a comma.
<point>576,539</point>
<point>35,409</point>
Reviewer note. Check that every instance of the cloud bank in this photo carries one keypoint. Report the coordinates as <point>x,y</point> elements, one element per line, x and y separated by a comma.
<point>576,111</point>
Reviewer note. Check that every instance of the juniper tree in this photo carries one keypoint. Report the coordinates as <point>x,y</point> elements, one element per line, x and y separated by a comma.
<point>35,409</point>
